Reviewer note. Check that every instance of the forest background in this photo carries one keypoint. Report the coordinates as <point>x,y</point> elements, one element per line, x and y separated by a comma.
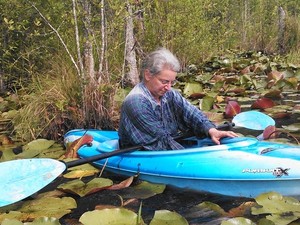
<point>62,62</point>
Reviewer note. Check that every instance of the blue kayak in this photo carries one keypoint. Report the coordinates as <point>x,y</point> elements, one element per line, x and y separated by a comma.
<point>241,166</point>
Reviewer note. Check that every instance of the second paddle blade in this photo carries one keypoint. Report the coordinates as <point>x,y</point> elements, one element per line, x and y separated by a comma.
<point>253,120</point>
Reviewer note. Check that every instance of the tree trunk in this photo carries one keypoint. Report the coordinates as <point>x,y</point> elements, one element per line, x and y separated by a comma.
<point>245,22</point>
<point>77,39</point>
<point>130,56</point>
<point>281,30</point>
<point>103,42</point>
<point>89,63</point>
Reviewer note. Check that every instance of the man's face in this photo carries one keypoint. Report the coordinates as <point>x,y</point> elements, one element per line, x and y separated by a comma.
<point>160,83</point>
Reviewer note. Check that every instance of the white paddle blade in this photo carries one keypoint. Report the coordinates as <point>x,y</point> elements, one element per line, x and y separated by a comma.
<point>253,120</point>
<point>24,177</point>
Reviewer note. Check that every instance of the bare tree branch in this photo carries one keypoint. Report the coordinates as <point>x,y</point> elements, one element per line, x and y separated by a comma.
<point>58,35</point>
<point>77,38</point>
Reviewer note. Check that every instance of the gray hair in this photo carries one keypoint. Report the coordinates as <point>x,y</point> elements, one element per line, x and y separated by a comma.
<point>159,60</point>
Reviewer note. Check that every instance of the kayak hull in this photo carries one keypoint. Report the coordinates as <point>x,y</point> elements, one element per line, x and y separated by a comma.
<point>238,167</point>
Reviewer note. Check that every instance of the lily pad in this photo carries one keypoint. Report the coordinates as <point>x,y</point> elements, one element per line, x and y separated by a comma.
<point>48,206</point>
<point>39,221</point>
<point>115,216</point>
<point>213,207</point>
<point>54,152</point>
<point>146,190</point>
<point>292,127</point>
<point>35,147</point>
<point>12,215</point>
<point>232,108</point>
<point>44,221</point>
<point>191,88</point>
<point>81,171</point>
<point>165,217</point>
<point>143,190</point>
<point>273,202</point>
<point>39,144</point>
<point>238,220</point>
<point>82,189</point>
<point>207,103</point>
<point>11,222</point>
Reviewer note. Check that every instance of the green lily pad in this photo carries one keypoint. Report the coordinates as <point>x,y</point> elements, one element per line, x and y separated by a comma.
<point>45,206</point>
<point>54,152</point>
<point>115,216</point>
<point>81,171</point>
<point>44,221</point>
<point>165,217</point>
<point>273,202</point>
<point>282,219</point>
<point>11,222</point>
<point>207,103</point>
<point>9,218</point>
<point>295,127</point>
<point>157,188</point>
<point>39,221</point>
<point>191,88</point>
<point>39,144</point>
<point>143,190</point>
<point>82,189</point>
<point>48,206</point>
<point>7,155</point>
<point>238,221</point>
<point>35,147</point>
<point>213,207</point>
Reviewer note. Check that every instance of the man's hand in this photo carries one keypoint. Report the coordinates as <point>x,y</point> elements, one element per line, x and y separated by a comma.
<point>216,135</point>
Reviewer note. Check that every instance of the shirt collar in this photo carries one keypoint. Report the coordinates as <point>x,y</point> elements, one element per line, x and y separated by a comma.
<point>150,96</point>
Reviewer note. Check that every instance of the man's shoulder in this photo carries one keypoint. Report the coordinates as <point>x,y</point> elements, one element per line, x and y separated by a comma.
<point>138,95</point>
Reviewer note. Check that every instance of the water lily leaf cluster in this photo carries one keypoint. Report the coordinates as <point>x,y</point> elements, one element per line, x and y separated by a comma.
<point>39,148</point>
<point>33,209</point>
<point>39,221</point>
<point>237,75</point>
<point>82,189</point>
<point>279,209</point>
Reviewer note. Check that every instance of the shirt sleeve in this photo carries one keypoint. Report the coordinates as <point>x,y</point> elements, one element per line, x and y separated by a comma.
<point>190,116</point>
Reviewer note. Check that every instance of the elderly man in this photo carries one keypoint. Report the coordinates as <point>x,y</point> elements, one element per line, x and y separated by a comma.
<point>153,113</point>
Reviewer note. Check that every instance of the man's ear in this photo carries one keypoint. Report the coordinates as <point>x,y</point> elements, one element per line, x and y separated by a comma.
<point>147,75</point>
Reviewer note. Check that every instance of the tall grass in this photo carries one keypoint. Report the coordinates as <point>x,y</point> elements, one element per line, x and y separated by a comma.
<point>54,104</point>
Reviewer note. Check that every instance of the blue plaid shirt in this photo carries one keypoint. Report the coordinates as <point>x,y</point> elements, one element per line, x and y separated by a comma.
<point>144,122</point>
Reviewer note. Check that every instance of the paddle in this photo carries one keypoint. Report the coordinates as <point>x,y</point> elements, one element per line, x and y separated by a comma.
<point>24,177</point>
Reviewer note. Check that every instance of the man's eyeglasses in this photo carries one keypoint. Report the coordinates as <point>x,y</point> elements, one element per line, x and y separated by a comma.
<point>166,82</point>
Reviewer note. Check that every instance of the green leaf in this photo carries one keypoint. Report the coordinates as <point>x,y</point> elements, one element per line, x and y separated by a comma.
<point>191,88</point>
<point>38,144</point>
<point>213,207</point>
<point>295,127</point>
<point>115,216</point>
<point>44,221</point>
<point>273,202</point>
<point>143,190</point>
<point>282,219</point>
<point>11,222</point>
<point>165,217</point>
<point>207,103</point>
<point>35,147</point>
<point>48,206</point>
<point>82,189</point>
<point>146,190</point>
<point>238,221</point>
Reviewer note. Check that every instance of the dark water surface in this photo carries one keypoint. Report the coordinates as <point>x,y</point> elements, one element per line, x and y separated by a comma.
<point>173,199</point>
